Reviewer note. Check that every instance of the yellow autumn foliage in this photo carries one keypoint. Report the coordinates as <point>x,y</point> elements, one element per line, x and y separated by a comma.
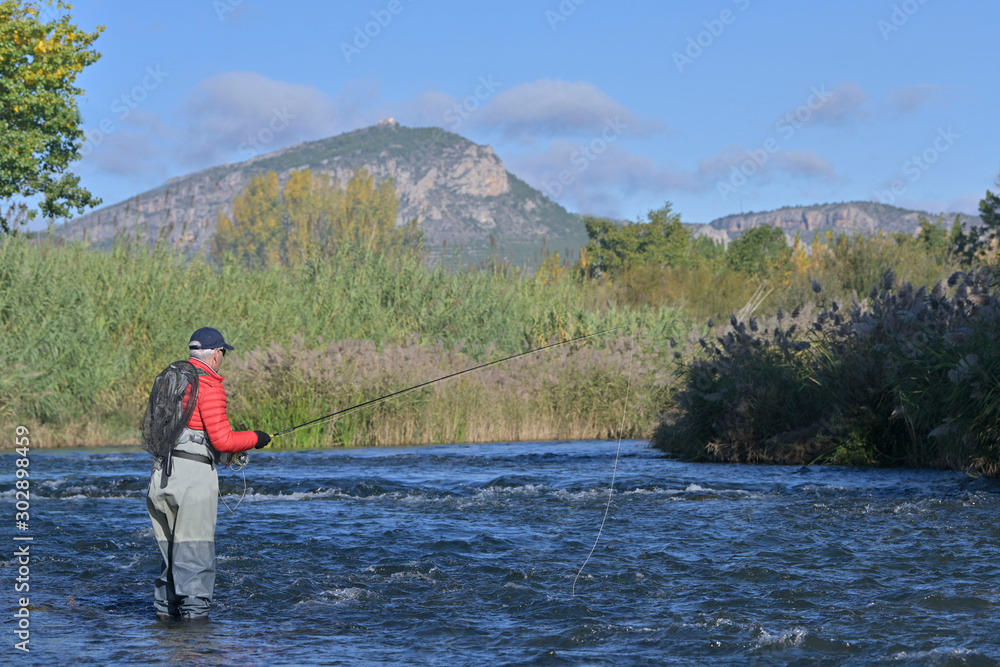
<point>307,217</point>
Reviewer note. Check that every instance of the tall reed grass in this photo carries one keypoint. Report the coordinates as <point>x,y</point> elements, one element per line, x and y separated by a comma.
<point>84,333</point>
<point>563,393</point>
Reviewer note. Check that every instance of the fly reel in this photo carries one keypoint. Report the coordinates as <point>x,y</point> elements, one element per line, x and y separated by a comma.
<point>240,461</point>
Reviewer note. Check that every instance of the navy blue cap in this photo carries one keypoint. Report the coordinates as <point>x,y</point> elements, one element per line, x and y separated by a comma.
<point>208,338</point>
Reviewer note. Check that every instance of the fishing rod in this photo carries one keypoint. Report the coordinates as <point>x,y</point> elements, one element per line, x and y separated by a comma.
<point>373,401</point>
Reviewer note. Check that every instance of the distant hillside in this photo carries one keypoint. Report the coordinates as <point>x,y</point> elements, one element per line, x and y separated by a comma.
<point>849,218</point>
<point>458,190</point>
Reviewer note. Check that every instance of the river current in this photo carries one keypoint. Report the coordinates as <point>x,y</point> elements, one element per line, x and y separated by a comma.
<point>470,555</point>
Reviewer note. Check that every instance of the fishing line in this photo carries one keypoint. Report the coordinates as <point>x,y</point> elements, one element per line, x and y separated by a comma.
<point>243,458</point>
<point>238,464</point>
<point>326,418</point>
<point>614,472</point>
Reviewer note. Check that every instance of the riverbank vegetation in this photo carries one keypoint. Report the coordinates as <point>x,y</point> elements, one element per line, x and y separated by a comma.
<point>903,375</point>
<point>86,331</point>
<point>906,376</point>
<point>851,349</point>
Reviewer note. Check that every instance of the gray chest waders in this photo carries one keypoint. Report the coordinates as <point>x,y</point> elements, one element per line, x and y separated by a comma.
<point>183,505</point>
<point>167,466</point>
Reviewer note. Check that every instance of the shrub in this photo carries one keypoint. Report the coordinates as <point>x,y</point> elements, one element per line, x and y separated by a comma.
<point>903,377</point>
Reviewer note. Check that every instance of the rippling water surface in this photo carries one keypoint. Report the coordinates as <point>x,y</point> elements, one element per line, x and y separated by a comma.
<point>467,555</point>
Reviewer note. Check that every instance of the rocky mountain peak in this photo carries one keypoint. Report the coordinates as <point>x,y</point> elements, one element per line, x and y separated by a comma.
<point>459,191</point>
<point>847,218</point>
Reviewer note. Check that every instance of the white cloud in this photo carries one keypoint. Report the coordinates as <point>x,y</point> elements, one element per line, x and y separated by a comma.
<point>548,107</point>
<point>968,204</point>
<point>584,180</point>
<point>844,105</point>
<point>912,98</point>
<point>238,114</point>
<point>429,108</point>
<point>124,153</point>
<point>151,124</point>
<point>837,106</point>
<point>847,103</point>
<point>764,166</point>
<point>719,165</point>
<point>806,164</point>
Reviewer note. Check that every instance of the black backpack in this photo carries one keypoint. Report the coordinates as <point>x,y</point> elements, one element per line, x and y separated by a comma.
<point>166,415</point>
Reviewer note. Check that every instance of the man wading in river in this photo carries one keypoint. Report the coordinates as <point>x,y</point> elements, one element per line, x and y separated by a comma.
<point>189,440</point>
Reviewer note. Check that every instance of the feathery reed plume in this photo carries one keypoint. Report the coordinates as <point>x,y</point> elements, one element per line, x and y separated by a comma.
<point>901,378</point>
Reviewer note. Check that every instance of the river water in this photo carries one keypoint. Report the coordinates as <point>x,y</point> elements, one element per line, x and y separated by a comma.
<point>469,555</point>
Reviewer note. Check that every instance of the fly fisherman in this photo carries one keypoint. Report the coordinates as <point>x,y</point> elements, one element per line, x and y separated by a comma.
<point>183,491</point>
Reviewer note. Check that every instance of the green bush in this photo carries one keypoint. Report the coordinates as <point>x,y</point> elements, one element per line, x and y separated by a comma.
<point>902,377</point>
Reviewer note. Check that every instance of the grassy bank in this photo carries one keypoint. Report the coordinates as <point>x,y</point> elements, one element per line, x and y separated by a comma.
<point>86,331</point>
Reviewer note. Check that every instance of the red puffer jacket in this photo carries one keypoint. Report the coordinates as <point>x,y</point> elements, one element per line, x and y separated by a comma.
<point>210,414</point>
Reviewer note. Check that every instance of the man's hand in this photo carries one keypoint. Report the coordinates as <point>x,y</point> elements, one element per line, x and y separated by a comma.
<point>262,439</point>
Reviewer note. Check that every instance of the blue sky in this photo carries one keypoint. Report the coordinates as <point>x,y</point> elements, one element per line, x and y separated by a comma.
<point>610,108</point>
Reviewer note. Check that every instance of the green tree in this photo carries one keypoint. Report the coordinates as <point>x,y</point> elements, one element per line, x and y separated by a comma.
<point>708,251</point>
<point>40,132</point>
<point>956,233</point>
<point>612,247</point>
<point>989,211</point>
<point>933,238</point>
<point>761,251</point>
<point>980,243</point>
